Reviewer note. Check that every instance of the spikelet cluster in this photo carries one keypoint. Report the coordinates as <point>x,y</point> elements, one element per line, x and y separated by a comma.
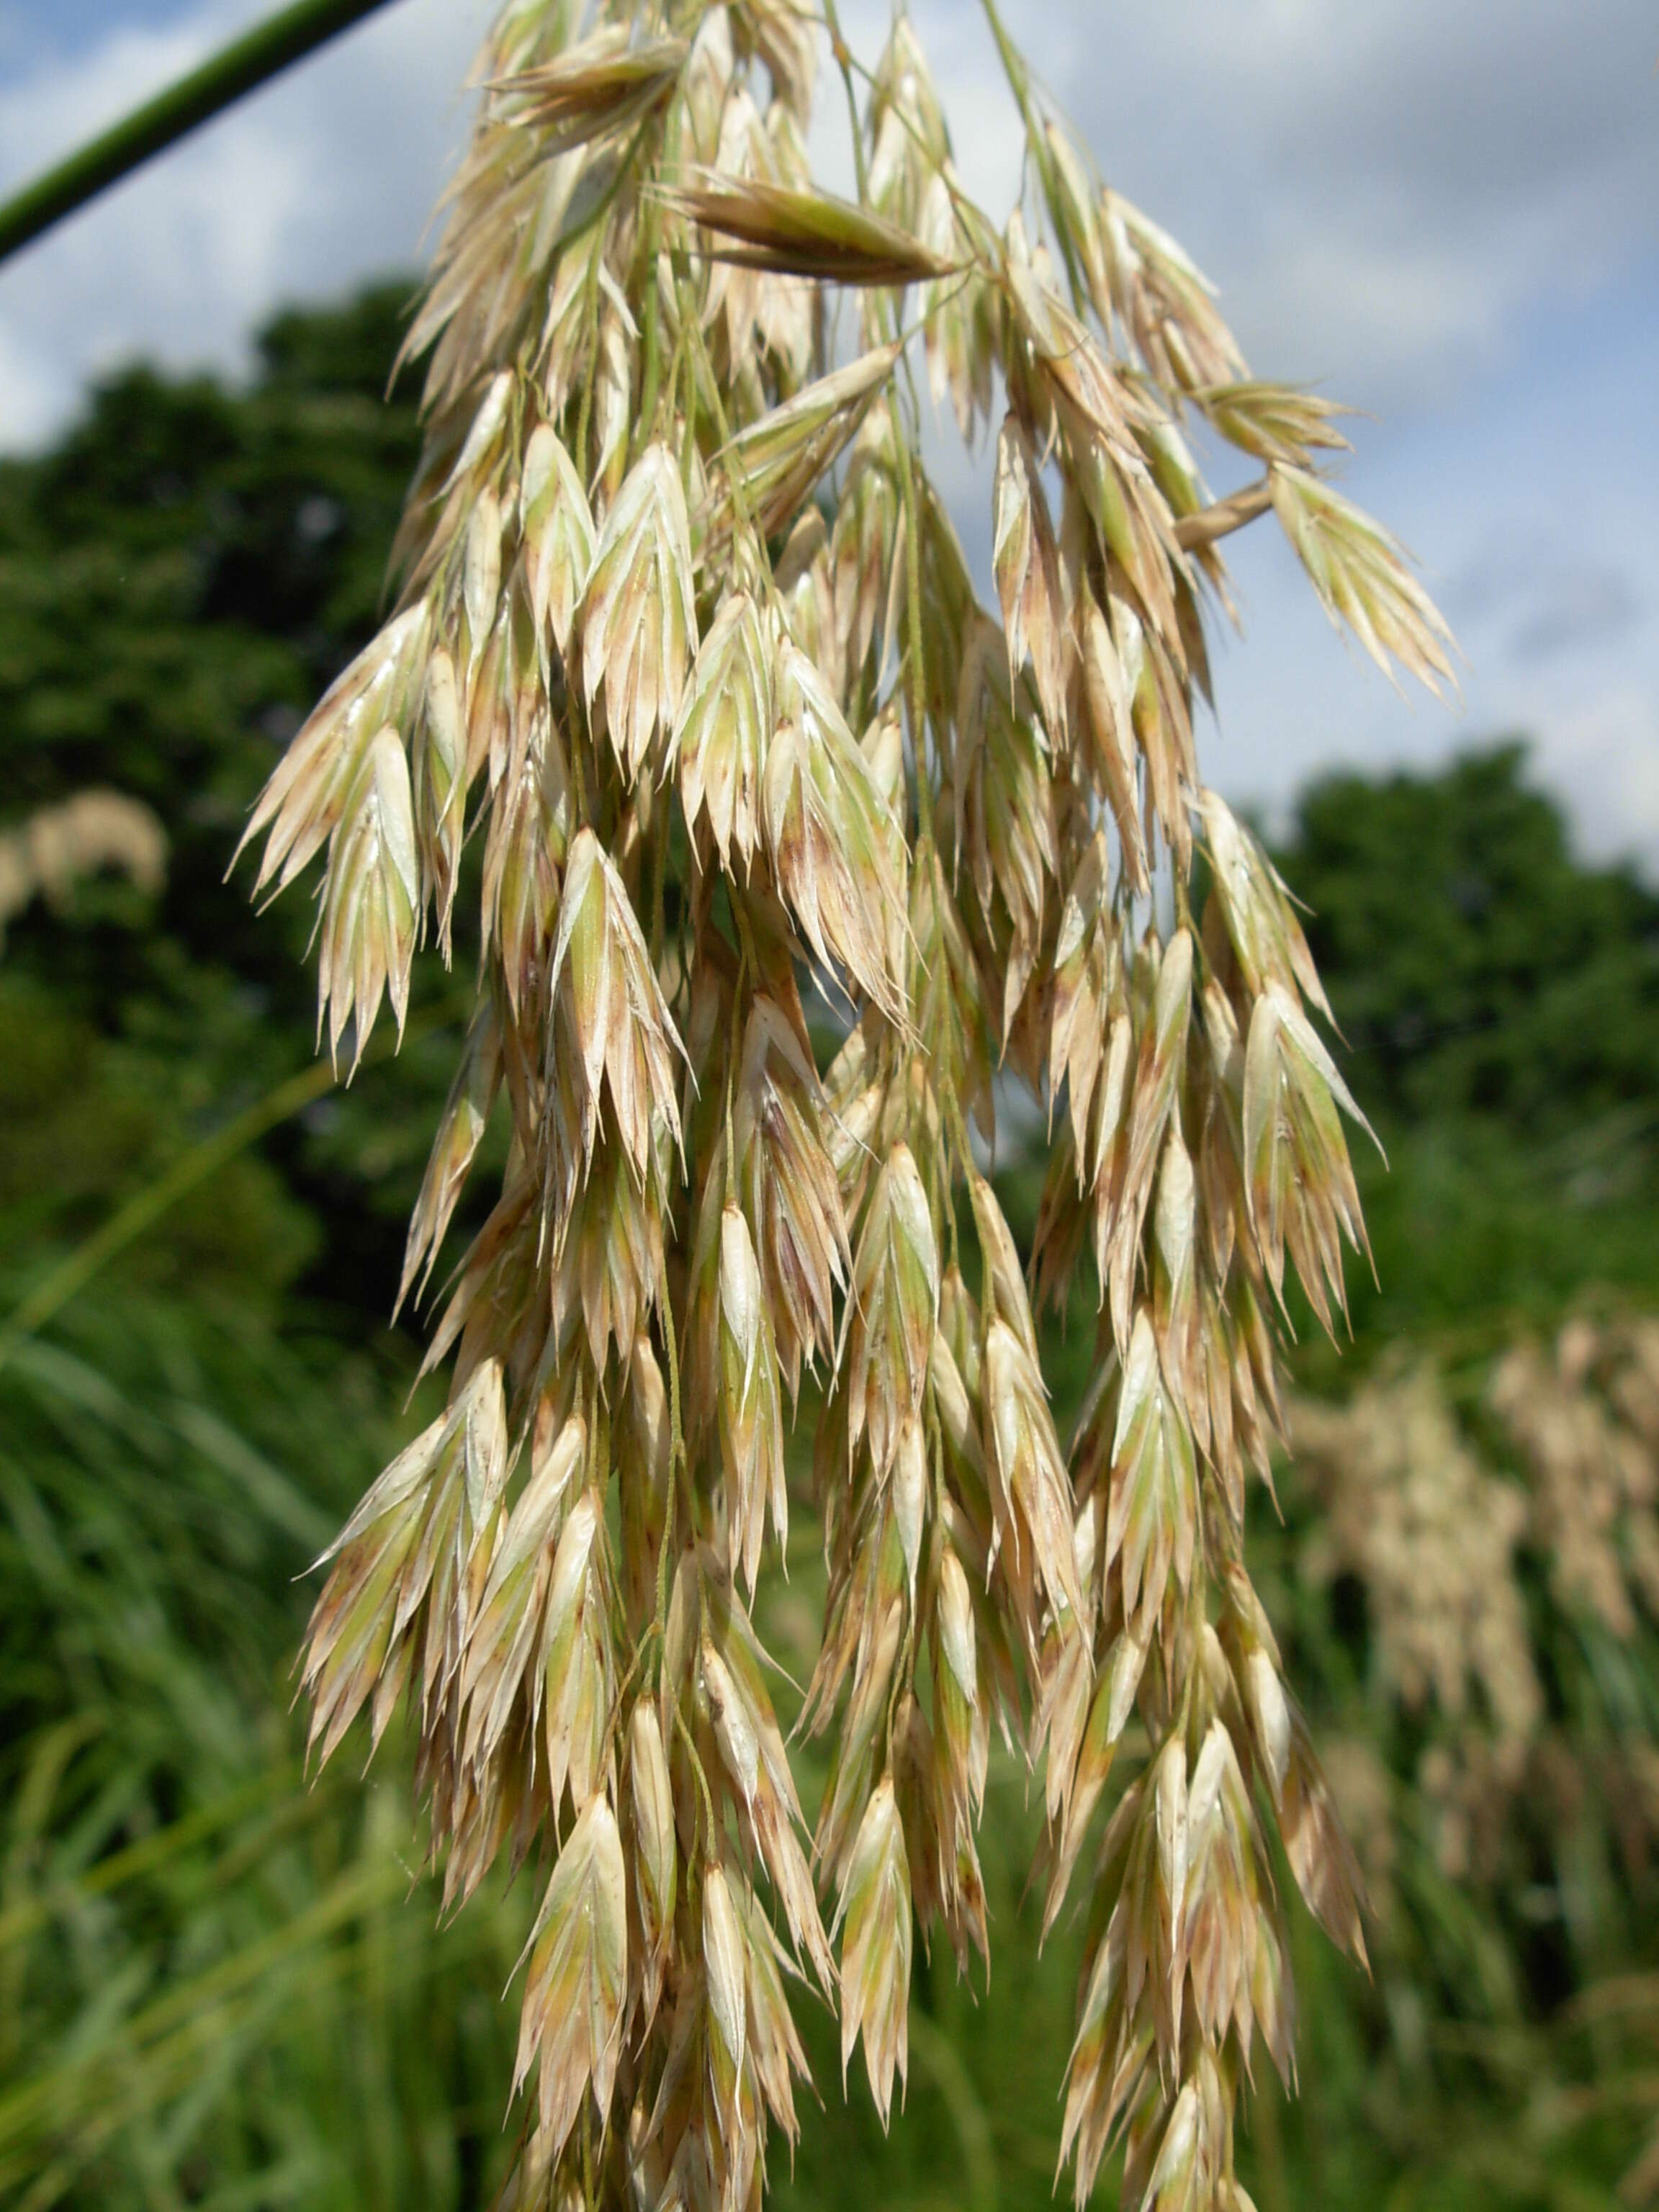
<point>688,649</point>
<point>1472,1571</point>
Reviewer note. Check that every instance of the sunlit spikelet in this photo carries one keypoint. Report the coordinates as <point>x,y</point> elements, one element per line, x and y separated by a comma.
<point>654,1854</point>
<point>690,652</point>
<point>750,1406</point>
<point>1027,563</point>
<point>825,834</point>
<point>1109,714</point>
<point>1300,1184</point>
<point>440,771</point>
<point>577,1978</point>
<point>1360,573</point>
<point>908,136</point>
<point>958,311</point>
<point>1030,1478</point>
<point>724,728</point>
<point>558,533</point>
<point>1152,1525</point>
<point>602,85</point>
<point>1004,812</point>
<point>505,1633</point>
<point>893,1306</point>
<point>1087,983</point>
<point>788,1181</point>
<point>862,577</point>
<point>623,1033</point>
<point>573,1658</point>
<point>1136,1111</point>
<point>371,900</point>
<point>638,620</point>
<point>772,465</point>
<point>1274,421</point>
<point>876,1949</point>
<point>1261,919</point>
<point>1166,304</point>
<point>528,835</point>
<point>306,798</point>
<point>411,1541</point>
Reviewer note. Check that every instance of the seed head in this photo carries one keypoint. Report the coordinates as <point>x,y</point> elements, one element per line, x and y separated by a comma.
<point>687,638</point>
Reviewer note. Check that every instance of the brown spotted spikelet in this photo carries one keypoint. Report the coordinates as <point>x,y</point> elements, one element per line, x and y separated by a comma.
<point>792,857</point>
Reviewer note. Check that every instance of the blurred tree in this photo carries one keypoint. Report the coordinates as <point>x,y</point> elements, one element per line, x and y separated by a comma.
<point>1499,1001</point>
<point>179,578</point>
<point>1474,965</point>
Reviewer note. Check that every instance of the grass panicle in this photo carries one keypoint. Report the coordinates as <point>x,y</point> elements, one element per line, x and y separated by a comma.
<point>685,633</point>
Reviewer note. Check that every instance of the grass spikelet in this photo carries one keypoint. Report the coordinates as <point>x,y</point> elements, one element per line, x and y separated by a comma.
<point>799,234</point>
<point>639,618</point>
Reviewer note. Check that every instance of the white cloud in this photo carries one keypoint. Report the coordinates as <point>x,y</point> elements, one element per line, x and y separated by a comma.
<point>1416,200</point>
<point>323,178</point>
<point>1381,189</point>
<point>1602,756</point>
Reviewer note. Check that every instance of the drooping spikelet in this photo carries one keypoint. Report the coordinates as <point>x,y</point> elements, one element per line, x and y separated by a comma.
<point>687,635</point>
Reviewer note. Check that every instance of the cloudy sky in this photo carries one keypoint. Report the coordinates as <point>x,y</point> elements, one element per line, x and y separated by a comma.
<point>1444,212</point>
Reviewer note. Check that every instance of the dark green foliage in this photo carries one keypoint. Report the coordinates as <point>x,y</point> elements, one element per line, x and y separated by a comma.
<point>1499,1005</point>
<point>179,580</point>
<point>1475,967</point>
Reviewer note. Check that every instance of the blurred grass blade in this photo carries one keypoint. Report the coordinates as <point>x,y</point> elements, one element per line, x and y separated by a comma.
<point>77,1268</point>
<point>229,75</point>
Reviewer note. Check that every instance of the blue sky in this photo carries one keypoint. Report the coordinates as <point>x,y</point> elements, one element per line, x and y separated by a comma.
<point>29,30</point>
<point>1444,212</point>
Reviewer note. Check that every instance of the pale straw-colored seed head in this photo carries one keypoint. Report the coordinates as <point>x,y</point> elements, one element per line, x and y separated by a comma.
<point>688,642</point>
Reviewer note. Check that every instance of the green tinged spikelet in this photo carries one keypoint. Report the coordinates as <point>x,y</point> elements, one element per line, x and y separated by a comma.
<point>798,233</point>
<point>724,728</point>
<point>639,618</point>
<point>578,1976</point>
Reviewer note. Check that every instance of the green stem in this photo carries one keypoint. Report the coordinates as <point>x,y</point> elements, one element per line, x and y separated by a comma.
<point>676,1467</point>
<point>711,1832</point>
<point>128,1223</point>
<point>1016,69</point>
<point>914,663</point>
<point>843,55</point>
<point>242,67</point>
